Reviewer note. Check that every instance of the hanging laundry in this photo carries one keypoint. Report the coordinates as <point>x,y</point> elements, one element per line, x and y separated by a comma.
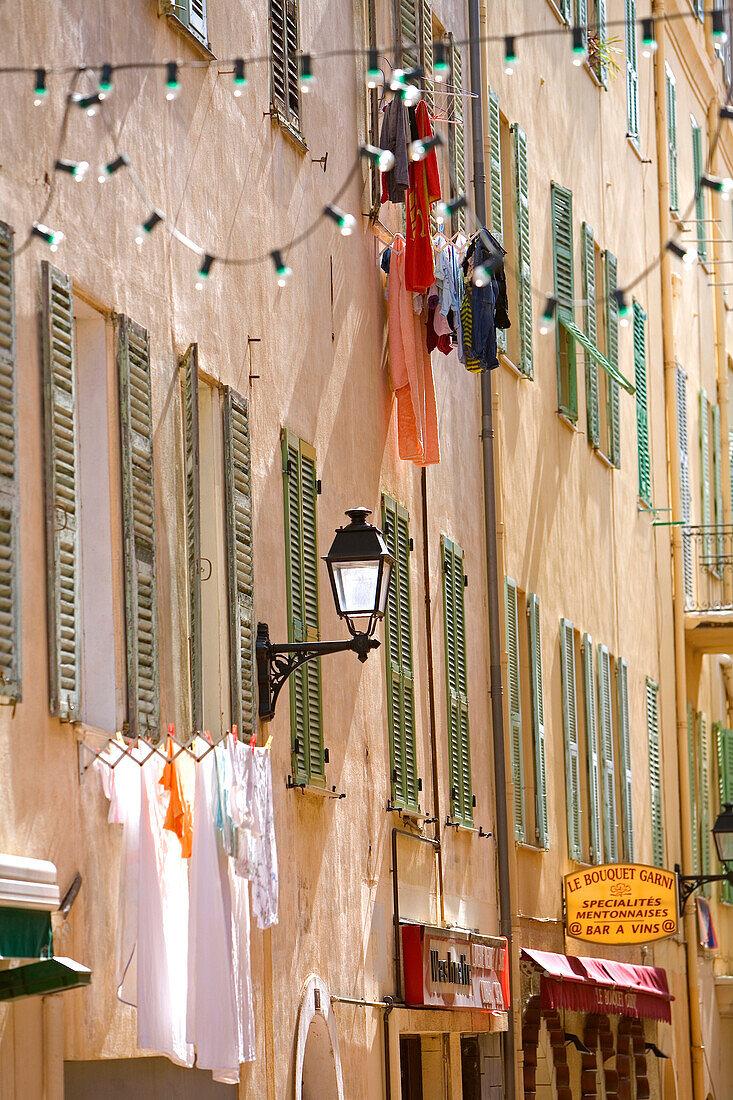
<point>448,278</point>
<point>484,308</point>
<point>424,190</point>
<point>394,138</point>
<point>252,811</point>
<point>179,819</point>
<point>412,371</point>
<point>439,331</point>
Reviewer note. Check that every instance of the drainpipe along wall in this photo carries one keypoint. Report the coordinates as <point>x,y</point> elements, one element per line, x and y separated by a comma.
<point>690,930</point>
<point>492,574</point>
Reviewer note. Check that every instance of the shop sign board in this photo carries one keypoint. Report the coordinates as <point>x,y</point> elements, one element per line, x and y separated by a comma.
<point>621,903</point>
<point>462,970</point>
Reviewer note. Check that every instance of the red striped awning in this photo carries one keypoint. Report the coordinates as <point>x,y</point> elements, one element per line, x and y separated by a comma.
<point>602,985</point>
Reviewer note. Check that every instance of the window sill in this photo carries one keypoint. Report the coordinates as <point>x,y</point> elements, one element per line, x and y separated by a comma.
<point>506,362</point>
<point>525,846</point>
<point>605,459</point>
<point>557,13</point>
<point>167,9</point>
<point>633,144</point>
<point>413,817</point>
<point>571,425</point>
<point>291,133</point>
<point>595,78</point>
<point>675,217</point>
<point>309,788</point>
<point>461,827</point>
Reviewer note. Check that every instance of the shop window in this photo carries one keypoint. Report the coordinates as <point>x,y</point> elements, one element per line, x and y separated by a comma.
<point>411,1067</point>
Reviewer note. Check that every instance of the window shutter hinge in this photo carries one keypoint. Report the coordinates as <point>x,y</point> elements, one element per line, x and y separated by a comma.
<point>412,545</point>
<point>419,784</point>
<point>325,756</point>
<point>445,566</point>
<point>465,581</point>
<point>296,746</point>
<point>394,775</point>
<point>473,801</point>
<point>318,487</point>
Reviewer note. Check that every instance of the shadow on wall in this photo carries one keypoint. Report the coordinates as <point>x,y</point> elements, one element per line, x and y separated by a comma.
<point>139,1078</point>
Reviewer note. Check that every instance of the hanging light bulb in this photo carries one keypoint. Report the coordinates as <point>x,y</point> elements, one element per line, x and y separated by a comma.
<point>726,112</point>
<point>547,319</point>
<point>712,183</point>
<point>52,237</point>
<point>306,72</point>
<point>374,76</point>
<point>510,55</point>
<point>383,158</point>
<point>345,222</point>
<point>648,40</point>
<point>240,79</point>
<point>441,66</point>
<point>88,103</point>
<point>481,275</point>
<point>282,271</point>
<point>203,272</point>
<point>727,190</point>
<point>397,80</point>
<point>419,149</point>
<point>40,90</point>
<point>579,50</point>
<point>107,170</point>
<point>411,95</point>
<point>690,256</point>
<point>105,81</point>
<point>445,210</point>
<point>147,227</point>
<point>622,307</point>
<point>719,32</point>
<point>76,169</point>
<point>172,84</point>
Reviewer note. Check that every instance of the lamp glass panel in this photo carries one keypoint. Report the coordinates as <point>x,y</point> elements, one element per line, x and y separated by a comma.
<point>356,586</point>
<point>724,844</point>
<point>384,590</point>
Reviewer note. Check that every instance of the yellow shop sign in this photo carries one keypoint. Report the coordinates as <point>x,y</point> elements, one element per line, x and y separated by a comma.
<point>621,903</point>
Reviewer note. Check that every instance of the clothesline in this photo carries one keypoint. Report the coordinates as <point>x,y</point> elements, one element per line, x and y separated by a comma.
<point>125,748</point>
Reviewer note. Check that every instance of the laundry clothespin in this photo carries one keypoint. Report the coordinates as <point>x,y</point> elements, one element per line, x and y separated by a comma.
<point>234,732</point>
<point>253,741</point>
<point>268,743</point>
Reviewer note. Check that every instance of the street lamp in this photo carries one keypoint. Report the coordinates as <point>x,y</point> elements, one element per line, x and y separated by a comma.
<point>723,836</point>
<point>360,570</point>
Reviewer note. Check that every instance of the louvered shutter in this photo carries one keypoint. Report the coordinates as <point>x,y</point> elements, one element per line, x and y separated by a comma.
<point>608,770</point>
<point>570,726</point>
<point>62,505</point>
<point>614,410</point>
<point>642,410</point>
<point>591,735</point>
<point>240,567</point>
<point>497,213</point>
<point>685,498</point>
<point>410,33</point>
<point>697,170</point>
<point>193,14</point>
<point>514,694</point>
<point>725,786</point>
<point>138,527</point>
<point>632,77</point>
<point>705,476</point>
<point>521,179</point>
<point>591,331</point>
<point>692,775</point>
<point>542,824</point>
<point>562,263</point>
<point>704,799</point>
<point>456,130</point>
<point>459,753</point>
<point>398,655</point>
<point>284,39</point>
<point>627,786</point>
<point>10,636</point>
<point>718,492</point>
<point>301,556</point>
<point>564,6</point>
<point>602,37</point>
<point>671,88</point>
<point>581,16</point>
<point>655,772</point>
<point>426,53</point>
<point>190,379</point>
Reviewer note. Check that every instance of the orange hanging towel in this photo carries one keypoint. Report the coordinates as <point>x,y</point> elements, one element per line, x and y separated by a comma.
<point>424,191</point>
<point>179,819</point>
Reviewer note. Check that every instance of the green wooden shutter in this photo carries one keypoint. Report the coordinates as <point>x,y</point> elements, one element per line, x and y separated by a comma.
<point>591,331</point>
<point>704,802</point>
<point>627,786</point>
<point>564,6</point>
<point>138,528</point>
<point>524,290</point>
<point>718,492</point>
<point>601,30</point>
<point>10,636</point>
<point>562,263</point>
<point>655,772</point>
<point>570,725</point>
<point>542,824</point>
<point>697,170</point>
<point>426,52</point>
<point>613,404</point>
<point>409,33</point>
<point>301,558</point>
<point>457,133</point>
<point>459,749</point>
<point>190,370</point>
<point>497,198</point>
<point>642,409</point>
<point>725,786</point>
<point>705,476</point>
<point>581,16</point>
<point>284,41</point>
<point>515,708</point>
<point>685,497</point>
<point>632,79</point>
<point>62,506</point>
<point>192,13</point>
<point>671,87</point>
<point>398,656</point>
<point>693,791</point>
<point>608,770</point>
<point>240,564</point>
<point>591,736</point>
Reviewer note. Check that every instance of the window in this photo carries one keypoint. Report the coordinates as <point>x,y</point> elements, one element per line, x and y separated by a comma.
<point>398,655</point>
<point>592,759</point>
<point>684,461</point>
<point>562,259</point>
<point>285,43</point>
<point>642,409</point>
<point>624,755</point>
<point>613,410</point>
<point>608,761</point>
<point>192,14</point>
<point>573,792</point>
<point>10,636</point>
<point>457,132</point>
<point>459,748</point>
<point>219,539</point>
<point>671,86</point>
<point>496,188</point>
<point>301,566</point>
<point>524,290</point>
<point>632,78</point>
<point>697,171</point>
<point>525,695</point>
<point>601,347</point>
<point>698,759</point>
<point>84,504</point>
<point>373,112</point>
<point>711,484</point>
<point>655,772</point>
<point>598,40</point>
<point>724,738</point>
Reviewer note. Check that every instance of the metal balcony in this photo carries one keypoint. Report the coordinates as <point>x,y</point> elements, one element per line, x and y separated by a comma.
<point>707,554</point>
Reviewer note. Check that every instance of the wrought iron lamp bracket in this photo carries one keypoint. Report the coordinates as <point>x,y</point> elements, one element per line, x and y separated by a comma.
<point>688,884</point>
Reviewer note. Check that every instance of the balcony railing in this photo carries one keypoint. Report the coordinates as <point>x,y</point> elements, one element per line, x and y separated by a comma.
<point>707,554</point>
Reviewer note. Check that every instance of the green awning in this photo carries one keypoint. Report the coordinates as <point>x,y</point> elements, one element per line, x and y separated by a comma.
<point>590,348</point>
<point>39,978</point>
<point>25,934</point>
